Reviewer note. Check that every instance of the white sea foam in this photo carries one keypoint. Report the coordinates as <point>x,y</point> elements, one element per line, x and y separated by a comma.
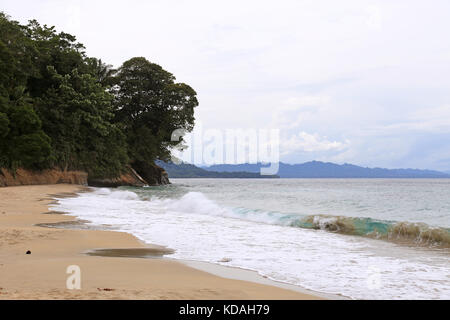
<point>201,229</point>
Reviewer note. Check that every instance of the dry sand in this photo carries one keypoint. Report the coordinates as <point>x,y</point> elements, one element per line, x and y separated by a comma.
<point>42,274</point>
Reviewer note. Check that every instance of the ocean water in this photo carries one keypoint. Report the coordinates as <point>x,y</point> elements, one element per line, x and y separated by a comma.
<point>363,239</point>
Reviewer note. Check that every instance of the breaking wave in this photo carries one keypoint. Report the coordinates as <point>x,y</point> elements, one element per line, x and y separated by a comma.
<point>403,232</point>
<point>407,232</point>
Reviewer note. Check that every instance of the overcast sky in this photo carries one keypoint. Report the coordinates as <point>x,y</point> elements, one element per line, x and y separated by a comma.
<point>363,82</point>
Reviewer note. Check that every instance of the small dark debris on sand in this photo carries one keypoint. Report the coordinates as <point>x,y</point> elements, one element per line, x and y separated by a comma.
<point>105,289</point>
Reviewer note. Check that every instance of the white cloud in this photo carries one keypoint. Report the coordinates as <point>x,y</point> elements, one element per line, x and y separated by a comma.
<point>374,17</point>
<point>305,142</point>
<point>296,103</point>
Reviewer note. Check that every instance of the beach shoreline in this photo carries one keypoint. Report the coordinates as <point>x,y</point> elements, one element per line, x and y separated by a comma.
<point>42,274</point>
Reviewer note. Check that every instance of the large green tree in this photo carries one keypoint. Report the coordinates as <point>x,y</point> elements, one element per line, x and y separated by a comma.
<point>77,114</point>
<point>150,106</point>
<point>58,50</point>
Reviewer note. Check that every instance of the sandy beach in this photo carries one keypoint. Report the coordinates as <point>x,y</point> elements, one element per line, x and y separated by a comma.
<point>42,274</point>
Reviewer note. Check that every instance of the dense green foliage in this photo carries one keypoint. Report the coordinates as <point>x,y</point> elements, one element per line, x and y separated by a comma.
<point>61,108</point>
<point>22,140</point>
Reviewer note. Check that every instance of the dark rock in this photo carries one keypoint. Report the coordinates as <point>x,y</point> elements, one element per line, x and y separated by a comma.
<point>152,173</point>
<point>28,252</point>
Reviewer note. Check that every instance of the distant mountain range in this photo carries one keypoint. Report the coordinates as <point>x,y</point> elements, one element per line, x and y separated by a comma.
<point>314,169</point>
<point>317,169</point>
<point>186,170</point>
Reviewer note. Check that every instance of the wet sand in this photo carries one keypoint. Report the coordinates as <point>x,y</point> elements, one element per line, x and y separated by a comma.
<point>114,265</point>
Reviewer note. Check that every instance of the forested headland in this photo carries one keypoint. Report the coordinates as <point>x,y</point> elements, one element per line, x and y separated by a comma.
<point>60,108</point>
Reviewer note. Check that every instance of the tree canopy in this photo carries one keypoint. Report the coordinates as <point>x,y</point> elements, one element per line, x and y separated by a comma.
<point>61,108</point>
<point>150,106</point>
